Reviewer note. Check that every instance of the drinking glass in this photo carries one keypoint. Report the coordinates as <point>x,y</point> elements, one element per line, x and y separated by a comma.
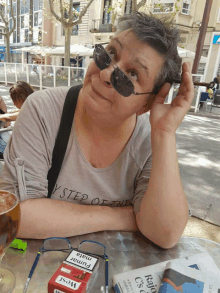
<point>9,221</point>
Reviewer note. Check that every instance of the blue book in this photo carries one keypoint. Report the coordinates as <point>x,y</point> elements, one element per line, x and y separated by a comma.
<point>148,279</point>
<point>178,278</point>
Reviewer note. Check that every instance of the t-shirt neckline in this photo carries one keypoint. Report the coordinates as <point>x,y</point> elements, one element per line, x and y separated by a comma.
<point>125,150</point>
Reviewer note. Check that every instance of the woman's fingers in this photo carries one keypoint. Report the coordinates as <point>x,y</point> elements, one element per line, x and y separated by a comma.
<point>186,83</point>
<point>186,92</point>
<point>161,96</point>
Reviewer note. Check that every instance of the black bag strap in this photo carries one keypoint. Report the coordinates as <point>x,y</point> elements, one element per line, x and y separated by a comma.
<point>62,136</point>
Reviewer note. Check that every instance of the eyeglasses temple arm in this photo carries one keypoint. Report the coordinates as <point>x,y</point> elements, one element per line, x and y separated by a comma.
<point>106,273</point>
<point>32,271</point>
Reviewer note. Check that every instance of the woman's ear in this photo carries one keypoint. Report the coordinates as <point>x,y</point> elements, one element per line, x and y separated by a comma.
<point>147,106</point>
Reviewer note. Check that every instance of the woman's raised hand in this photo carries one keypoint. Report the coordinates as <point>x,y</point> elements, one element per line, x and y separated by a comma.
<point>167,117</point>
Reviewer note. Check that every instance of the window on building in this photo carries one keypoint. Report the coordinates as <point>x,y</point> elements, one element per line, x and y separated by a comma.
<point>163,6</point>
<point>38,18</point>
<point>14,7</point>
<point>37,12</point>
<point>26,35</point>
<point>201,68</point>
<point>186,7</point>
<point>205,52</point>
<point>22,21</point>
<point>1,31</point>
<point>24,7</point>
<point>37,5</point>
<point>10,24</point>
<point>218,71</point>
<point>128,7</point>
<point>106,12</point>
<point>14,37</point>
<point>76,8</point>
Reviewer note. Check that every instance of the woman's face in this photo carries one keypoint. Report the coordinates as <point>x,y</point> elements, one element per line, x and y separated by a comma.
<point>138,61</point>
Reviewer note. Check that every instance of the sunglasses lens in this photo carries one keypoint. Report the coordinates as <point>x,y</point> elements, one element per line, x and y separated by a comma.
<point>122,83</point>
<point>102,59</point>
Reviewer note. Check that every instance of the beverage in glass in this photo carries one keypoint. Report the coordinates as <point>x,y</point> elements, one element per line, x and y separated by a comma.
<point>9,222</point>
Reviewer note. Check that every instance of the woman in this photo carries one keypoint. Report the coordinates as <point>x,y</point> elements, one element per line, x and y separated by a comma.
<point>120,170</point>
<point>18,93</point>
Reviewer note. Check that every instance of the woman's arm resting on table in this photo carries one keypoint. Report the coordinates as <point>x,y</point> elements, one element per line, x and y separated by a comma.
<point>9,117</point>
<point>43,217</point>
<point>163,213</point>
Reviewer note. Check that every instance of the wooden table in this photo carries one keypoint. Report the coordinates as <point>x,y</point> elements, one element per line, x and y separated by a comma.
<point>126,251</point>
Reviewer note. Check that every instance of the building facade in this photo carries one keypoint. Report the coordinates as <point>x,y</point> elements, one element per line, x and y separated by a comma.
<point>28,26</point>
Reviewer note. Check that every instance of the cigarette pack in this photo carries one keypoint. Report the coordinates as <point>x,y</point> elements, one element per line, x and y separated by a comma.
<point>75,274</point>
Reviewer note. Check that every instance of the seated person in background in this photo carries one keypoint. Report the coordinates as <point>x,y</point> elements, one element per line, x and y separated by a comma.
<point>209,91</point>
<point>215,82</point>
<point>4,136</point>
<point>120,170</point>
<point>18,93</point>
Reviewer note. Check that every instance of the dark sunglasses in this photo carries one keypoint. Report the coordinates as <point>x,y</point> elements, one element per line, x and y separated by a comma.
<point>120,81</point>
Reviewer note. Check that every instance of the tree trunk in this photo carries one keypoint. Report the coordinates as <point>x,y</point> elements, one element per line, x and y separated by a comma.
<point>8,56</point>
<point>134,5</point>
<point>67,46</point>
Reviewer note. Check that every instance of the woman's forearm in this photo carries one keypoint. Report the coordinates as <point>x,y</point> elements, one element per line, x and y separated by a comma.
<point>164,208</point>
<point>13,116</point>
<point>9,116</point>
<point>43,217</point>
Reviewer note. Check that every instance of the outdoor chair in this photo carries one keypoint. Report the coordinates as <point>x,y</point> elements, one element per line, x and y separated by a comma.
<point>216,100</point>
<point>203,98</point>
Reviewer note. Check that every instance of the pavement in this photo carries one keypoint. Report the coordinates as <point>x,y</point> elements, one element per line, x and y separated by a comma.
<point>198,147</point>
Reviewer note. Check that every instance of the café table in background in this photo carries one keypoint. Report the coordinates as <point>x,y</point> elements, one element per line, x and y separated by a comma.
<point>126,251</point>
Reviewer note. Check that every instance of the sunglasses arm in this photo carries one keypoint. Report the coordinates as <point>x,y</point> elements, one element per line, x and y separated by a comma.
<point>138,94</point>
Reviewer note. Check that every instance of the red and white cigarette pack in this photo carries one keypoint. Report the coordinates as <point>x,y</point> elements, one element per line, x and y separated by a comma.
<point>75,274</point>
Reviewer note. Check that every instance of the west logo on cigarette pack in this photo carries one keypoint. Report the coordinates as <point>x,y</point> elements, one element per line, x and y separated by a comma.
<point>75,274</point>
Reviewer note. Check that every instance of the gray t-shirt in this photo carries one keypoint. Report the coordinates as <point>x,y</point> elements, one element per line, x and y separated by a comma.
<point>29,152</point>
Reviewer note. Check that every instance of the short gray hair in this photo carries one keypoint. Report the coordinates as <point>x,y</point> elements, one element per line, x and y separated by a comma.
<point>161,35</point>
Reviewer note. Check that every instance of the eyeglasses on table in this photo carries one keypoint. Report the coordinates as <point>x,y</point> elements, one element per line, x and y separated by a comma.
<point>91,247</point>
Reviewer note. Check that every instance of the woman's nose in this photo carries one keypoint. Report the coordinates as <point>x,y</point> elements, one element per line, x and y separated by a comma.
<point>105,75</point>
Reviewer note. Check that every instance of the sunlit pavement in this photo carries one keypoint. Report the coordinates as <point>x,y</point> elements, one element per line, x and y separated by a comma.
<point>198,144</point>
